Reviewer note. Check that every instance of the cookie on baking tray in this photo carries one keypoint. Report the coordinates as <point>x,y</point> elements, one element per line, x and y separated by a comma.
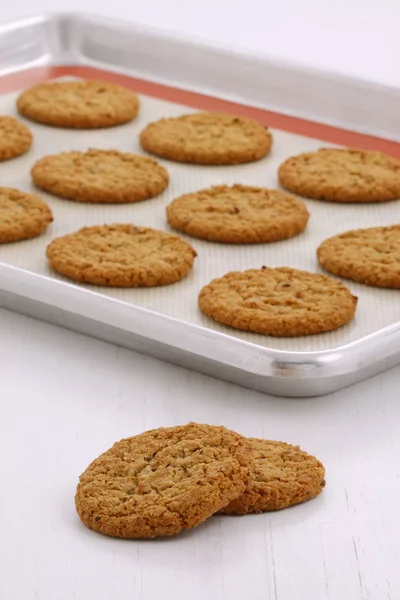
<point>22,216</point>
<point>100,176</point>
<point>238,214</point>
<point>163,481</point>
<point>370,256</point>
<point>121,256</point>
<point>207,138</point>
<point>342,175</point>
<point>283,475</point>
<point>80,104</point>
<point>281,302</point>
<point>15,138</point>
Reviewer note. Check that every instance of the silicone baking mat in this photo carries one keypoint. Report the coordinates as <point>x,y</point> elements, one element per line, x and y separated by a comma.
<point>376,308</point>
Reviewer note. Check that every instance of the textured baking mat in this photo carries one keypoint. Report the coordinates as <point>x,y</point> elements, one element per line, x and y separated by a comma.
<point>376,308</point>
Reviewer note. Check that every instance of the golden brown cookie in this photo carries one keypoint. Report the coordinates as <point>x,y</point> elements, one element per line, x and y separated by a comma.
<point>163,481</point>
<point>281,302</point>
<point>22,216</point>
<point>370,256</point>
<point>283,475</point>
<point>15,138</point>
<point>78,104</point>
<point>100,176</point>
<point>342,175</point>
<point>121,256</point>
<point>207,139</point>
<point>238,215</point>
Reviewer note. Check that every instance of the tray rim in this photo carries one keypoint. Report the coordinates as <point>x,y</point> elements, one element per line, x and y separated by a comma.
<point>293,374</point>
<point>58,25</point>
<point>196,42</point>
<point>11,276</point>
<point>346,361</point>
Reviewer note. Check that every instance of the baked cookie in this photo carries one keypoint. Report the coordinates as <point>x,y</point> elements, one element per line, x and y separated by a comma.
<point>163,481</point>
<point>22,216</point>
<point>283,475</point>
<point>370,256</point>
<point>100,176</point>
<point>121,256</point>
<point>78,104</point>
<point>207,139</point>
<point>342,175</point>
<point>15,138</point>
<point>281,302</point>
<point>238,215</point>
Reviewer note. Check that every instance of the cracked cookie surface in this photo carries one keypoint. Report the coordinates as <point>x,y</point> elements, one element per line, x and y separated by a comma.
<point>238,214</point>
<point>163,481</point>
<point>342,175</point>
<point>281,302</point>
<point>121,256</point>
<point>100,176</point>
<point>370,256</point>
<point>207,138</point>
<point>283,475</point>
<point>15,138</point>
<point>22,216</point>
<point>81,104</point>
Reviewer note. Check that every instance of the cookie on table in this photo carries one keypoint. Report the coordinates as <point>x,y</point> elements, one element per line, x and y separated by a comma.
<point>370,256</point>
<point>207,139</point>
<point>283,475</point>
<point>163,481</point>
<point>342,175</point>
<point>121,256</point>
<point>22,216</point>
<point>15,138</point>
<point>280,302</point>
<point>238,215</point>
<point>100,176</point>
<point>80,104</point>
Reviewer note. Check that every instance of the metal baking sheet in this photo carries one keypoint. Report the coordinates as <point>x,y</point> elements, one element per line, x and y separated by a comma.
<point>166,322</point>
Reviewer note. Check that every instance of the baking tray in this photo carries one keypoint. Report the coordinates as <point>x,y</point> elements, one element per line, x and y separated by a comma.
<point>305,110</point>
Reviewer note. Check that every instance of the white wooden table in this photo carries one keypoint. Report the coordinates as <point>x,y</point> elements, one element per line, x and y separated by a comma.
<point>65,398</point>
